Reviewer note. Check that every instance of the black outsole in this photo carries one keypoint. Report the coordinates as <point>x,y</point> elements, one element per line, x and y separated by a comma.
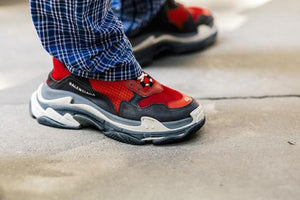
<point>146,56</point>
<point>122,135</point>
<point>125,138</point>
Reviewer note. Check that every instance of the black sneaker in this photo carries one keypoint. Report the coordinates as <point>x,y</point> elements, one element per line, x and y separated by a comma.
<point>176,29</point>
<point>132,111</point>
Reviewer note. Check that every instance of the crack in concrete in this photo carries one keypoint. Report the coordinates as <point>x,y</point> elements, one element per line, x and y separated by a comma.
<point>250,97</point>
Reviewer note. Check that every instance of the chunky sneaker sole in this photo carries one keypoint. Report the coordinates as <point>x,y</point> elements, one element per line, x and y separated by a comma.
<point>65,109</point>
<point>147,46</point>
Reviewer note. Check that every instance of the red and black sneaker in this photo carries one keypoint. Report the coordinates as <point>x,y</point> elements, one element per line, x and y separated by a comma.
<point>176,29</point>
<point>132,111</point>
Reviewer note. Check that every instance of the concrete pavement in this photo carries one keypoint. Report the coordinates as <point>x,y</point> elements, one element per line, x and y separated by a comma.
<point>249,84</point>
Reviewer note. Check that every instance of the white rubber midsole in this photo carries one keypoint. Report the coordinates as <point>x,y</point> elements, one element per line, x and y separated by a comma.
<point>204,32</point>
<point>148,124</point>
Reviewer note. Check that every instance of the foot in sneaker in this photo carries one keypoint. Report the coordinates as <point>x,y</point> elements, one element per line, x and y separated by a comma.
<point>176,29</point>
<point>132,111</point>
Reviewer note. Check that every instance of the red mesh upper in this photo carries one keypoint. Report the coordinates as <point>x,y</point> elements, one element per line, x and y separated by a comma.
<point>116,91</point>
<point>59,70</point>
<point>197,12</point>
<point>166,96</point>
<point>178,16</point>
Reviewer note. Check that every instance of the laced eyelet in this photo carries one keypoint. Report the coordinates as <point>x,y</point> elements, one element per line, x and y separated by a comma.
<point>142,80</point>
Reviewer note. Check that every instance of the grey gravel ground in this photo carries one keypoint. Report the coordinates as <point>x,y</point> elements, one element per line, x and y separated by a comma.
<point>249,84</point>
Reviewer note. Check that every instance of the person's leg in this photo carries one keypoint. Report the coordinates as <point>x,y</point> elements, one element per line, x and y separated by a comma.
<point>88,44</point>
<point>136,14</point>
<point>86,36</point>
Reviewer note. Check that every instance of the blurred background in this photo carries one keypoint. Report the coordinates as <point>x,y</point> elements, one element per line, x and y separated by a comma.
<point>248,82</point>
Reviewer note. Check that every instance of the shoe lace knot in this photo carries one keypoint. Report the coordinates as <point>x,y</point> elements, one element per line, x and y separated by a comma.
<point>145,80</point>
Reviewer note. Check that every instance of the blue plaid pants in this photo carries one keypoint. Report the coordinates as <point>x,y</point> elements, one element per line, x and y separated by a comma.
<point>88,35</point>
